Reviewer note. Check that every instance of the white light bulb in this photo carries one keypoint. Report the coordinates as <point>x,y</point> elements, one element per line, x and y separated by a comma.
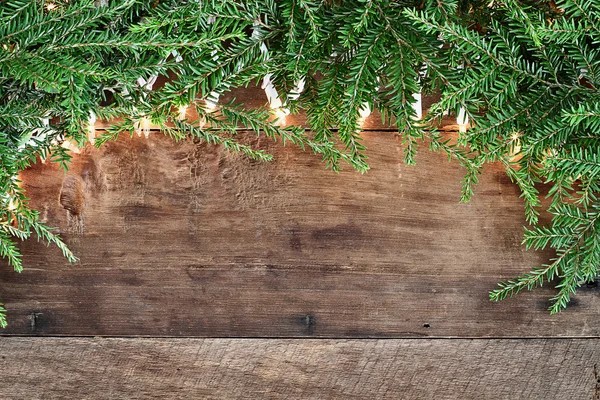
<point>462,119</point>
<point>91,127</point>
<point>364,111</point>
<point>299,88</point>
<point>418,105</point>
<point>146,127</point>
<point>142,127</point>
<point>211,101</point>
<point>516,148</point>
<point>182,111</point>
<point>210,106</point>
<point>271,92</point>
<point>281,114</point>
<point>70,146</point>
<point>11,204</point>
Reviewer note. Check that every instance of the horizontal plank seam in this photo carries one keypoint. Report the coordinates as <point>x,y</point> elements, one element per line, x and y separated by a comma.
<point>440,338</point>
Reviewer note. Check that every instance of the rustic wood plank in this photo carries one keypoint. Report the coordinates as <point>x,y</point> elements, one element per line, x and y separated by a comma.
<point>52,368</point>
<point>186,239</point>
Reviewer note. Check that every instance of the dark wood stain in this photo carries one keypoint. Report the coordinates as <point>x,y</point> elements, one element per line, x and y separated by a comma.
<point>373,255</point>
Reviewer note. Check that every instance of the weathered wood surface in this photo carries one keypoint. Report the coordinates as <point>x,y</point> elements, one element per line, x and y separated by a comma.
<point>51,368</point>
<point>190,240</point>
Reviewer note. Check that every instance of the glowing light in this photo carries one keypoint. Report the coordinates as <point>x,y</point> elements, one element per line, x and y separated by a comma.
<point>271,92</point>
<point>298,89</point>
<point>182,111</point>
<point>210,106</point>
<point>516,148</point>
<point>418,106</point>
<point>462,119</point>
<point>364,111</point>
<point>11,204</point>
<point>142,127</point>
<point>91,128</point>
<point>70,146</point>
<point>50,6</point>
<point>281,114</point>
<point>211,101</point>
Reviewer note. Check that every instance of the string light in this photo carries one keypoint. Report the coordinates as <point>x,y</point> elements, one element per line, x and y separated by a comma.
<point>91,127</point>
<point>44,158</point>
<point>143,127</point>
<point>271,92</point>
<point>70,146</point>
<point>11,204</point>
<point>418,105</point>
<point>273,99</point>
<point>50,6</point>
<point>281,114</point>
<point>298,89</point>
<point>211,105</point>
<point>462,120</point>
<point>182,111</point>
<point>516,148</point>
<point>364,111</point>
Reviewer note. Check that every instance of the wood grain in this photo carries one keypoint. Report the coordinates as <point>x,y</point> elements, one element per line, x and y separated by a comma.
<point>51,368</point>
<point>186,239</point>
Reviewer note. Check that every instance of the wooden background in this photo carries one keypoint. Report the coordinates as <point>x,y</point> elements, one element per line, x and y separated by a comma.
<point>205,275</point>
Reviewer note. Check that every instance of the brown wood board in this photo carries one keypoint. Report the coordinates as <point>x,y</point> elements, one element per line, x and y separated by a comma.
<point>75,368</point>
<point>187,239</point>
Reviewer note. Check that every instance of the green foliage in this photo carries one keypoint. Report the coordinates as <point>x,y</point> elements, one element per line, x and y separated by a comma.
<point>526,72</point>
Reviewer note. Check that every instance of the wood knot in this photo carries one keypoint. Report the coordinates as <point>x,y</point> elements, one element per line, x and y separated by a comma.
<point>309,323</point>
<point>71,195</point>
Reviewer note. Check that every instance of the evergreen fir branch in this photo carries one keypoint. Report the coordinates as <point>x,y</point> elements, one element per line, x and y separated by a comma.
<point>570,244</point>
<point>574,162</point>
<point>528,190</point>
<point>44,233</point>
<point>587,10</point>
<point>9,250</point>
<point>310,10</point>
<point>258,120</point>
<point>476,45</point>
